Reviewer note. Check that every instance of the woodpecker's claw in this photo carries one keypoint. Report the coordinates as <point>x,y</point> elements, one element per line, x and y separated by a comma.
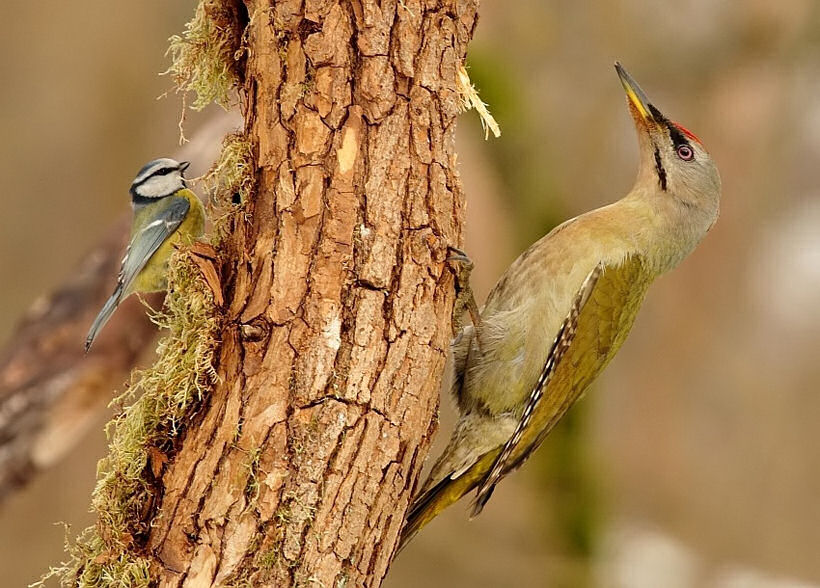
<point>456,254</point>
<point>465,300</point>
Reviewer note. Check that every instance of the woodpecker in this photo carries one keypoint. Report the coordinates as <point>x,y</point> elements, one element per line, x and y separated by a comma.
<point>562,310</point>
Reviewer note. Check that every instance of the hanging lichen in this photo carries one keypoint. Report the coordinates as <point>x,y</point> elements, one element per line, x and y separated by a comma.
<point>207,57</point>
<point>230,181</point>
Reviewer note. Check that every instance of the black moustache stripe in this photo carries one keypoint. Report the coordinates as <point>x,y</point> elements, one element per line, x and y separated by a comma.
<point>660,170</point>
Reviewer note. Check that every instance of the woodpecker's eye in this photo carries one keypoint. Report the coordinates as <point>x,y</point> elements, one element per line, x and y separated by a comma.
<point>685,152</point>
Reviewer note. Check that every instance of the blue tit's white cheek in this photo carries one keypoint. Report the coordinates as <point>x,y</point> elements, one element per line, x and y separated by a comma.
<point>160,186</point>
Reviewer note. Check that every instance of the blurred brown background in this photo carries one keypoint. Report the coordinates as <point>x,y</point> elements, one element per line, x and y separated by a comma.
<point>695,460</point>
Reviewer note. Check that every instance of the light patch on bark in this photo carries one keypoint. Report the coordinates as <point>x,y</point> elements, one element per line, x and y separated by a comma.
<point>348,151</point>
<point>332,333</point>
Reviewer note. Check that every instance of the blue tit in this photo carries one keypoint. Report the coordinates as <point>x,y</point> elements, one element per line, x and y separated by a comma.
<point>166,213</point>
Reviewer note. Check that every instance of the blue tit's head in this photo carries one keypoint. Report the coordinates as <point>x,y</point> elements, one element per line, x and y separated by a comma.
<point>158,179</point>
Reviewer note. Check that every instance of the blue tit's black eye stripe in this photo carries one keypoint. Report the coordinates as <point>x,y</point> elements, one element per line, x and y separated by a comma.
<point>163,171</point>
<point>154,167</point>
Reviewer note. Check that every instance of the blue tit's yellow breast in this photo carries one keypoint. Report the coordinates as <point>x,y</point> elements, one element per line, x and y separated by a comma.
<point>193,226</point>
<point>153,277</point>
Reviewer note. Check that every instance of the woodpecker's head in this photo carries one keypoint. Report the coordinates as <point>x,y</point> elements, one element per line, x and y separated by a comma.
<point>674,163</point>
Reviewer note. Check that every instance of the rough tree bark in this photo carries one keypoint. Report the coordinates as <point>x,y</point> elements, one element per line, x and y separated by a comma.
<point>301,462</point>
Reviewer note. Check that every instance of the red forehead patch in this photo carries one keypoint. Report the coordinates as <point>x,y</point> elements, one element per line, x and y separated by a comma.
<point>688,133</point>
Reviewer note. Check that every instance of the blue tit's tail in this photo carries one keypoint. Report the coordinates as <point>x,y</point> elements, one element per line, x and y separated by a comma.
<point>107,310</point>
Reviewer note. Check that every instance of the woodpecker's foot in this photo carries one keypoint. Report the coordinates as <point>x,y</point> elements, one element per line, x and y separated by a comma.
<point>457,255</point>
<point>465,300</point>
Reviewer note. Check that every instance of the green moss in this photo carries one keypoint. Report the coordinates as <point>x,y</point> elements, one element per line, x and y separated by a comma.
<point>159,401</point>
<point>252,484</point>
<point>268,559</point>
<point>282,515</point>
<point>230,180</point>
<point>229,183</point>
<point>207,57</point>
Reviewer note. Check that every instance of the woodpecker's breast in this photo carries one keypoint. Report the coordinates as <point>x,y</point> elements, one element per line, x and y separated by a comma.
<point>525,310</point>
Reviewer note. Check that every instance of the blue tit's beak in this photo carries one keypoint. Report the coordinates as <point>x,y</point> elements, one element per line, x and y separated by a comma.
<point>184,165</point>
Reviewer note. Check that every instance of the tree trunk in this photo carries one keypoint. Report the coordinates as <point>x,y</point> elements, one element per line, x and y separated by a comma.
<point>300,464</point>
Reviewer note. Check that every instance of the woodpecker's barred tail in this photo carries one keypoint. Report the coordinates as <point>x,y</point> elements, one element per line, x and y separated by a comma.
<point>429,504</point>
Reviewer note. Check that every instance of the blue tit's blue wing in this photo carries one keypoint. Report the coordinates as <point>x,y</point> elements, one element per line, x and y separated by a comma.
<point>147,240</point>
<point>168,215</point>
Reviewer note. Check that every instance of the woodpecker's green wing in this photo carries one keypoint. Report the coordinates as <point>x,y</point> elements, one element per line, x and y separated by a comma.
<point>601,316</point>
<point>166,215</point>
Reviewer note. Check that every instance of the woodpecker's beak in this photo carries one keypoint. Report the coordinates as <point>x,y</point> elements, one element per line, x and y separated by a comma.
<point>638,101</point>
